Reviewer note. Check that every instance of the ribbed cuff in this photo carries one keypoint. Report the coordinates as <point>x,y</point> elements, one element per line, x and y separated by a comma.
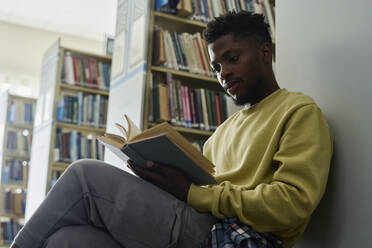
<point>200,198</point>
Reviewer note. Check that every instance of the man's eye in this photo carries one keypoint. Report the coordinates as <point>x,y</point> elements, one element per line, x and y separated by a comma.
<point>233,59</point>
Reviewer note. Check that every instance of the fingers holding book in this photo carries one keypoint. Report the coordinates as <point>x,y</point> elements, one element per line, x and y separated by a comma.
<point>164,177</point>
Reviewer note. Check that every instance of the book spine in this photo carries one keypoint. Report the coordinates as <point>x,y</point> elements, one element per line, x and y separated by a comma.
<point>156,99</point>
<point>199,109</point>
<point>75,70</point>
<point>194,119</point>
<point>168,55</point>
<point>223,106</point>
<point>180,103</point>
<point>151,100</point>
<point>69,69</point>
<point>164,103</point>
<point>187,121</point>
<point>177,52</point>
<point>182,50</point>
<point>205,109</point>
<point>214,112</point>
<point>199,54</point>
<point>209,108</point>
<point>218,109</point>
<point>172,102</point>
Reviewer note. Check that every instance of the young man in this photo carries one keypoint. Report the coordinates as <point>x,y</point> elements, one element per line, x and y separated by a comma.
<point>272,161</point>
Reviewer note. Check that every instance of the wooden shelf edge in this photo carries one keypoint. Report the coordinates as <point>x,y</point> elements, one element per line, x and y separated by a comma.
<point>23,98</point>
<point>84,89</point>
<point>14,155</point>
<point>101,56</point>
<point>184,74</point>
<point>60,165</point>
<point>80,127</point>
<point>179,19</point>
<point>186,130</point>
<point>20,125</point>
<point>14,186</point>
<point>12,216</point>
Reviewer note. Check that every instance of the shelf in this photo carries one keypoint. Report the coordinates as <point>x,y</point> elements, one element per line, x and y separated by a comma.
<point>20,125</point>
<point>14,155</point>
<point>22,98</point>
<point>60,165</point>
<point>12,216</point>
<point>184,74</point>
<point>83,89</point>
<point>87,54</point>
<point>183,20</point>
<point>81,127</point>
<point>187,130</point>
<point>14,186</point>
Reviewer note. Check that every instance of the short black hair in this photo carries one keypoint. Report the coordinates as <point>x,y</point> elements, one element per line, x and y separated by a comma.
<point>241,24</point>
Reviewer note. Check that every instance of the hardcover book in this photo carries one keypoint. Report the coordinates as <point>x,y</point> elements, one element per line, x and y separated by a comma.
<point>161,144</point>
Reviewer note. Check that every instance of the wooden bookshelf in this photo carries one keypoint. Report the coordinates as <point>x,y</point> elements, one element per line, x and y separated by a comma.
<point>72,105</point>
<point>83,89</point>
<point>16,117</point>
<point>184,74</point>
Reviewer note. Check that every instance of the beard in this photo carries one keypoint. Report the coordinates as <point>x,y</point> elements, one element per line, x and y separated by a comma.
<point>241,101</point>
<point>250,95</point>
<point>245,99</point>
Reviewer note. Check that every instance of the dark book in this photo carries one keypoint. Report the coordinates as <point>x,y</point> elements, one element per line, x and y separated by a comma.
<point>161,144</point>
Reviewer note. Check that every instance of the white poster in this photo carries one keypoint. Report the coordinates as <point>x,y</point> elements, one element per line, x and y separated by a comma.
<point>137,39</point>
<point>118,56</point>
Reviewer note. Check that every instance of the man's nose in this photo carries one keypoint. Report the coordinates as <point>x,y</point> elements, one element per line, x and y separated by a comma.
<point>225,72</point>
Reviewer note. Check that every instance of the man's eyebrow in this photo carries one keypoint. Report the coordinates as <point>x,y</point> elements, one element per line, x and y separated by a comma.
<point>224,55</point>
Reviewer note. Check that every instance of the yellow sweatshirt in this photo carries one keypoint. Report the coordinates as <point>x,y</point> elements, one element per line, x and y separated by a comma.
<point>272,162</point>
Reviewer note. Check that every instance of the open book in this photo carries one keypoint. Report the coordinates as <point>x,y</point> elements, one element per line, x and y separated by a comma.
<point>162,144</point>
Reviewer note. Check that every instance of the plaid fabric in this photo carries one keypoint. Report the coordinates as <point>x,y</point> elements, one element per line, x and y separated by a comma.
<point>230,233</point>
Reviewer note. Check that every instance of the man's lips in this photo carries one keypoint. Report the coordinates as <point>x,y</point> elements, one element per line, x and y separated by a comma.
<point>231,86</point>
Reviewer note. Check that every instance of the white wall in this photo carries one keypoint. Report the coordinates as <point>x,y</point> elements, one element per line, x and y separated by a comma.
<point>21,51</point>
<point>324,48</point>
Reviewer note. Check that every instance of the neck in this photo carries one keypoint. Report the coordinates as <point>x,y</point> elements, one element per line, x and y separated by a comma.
<point>270,85</point>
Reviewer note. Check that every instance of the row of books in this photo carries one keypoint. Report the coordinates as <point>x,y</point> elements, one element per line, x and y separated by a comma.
<point>85,72</point>
<point>15,171</point>
<point>19,142</point>
<point>71,145</point>
<point>8,230</point>
<point>206,10</point>
<point>21,112</point>
<point>185,106</point>
<point>15,201</point>
<point>181,51</point>
<point>83,109</point>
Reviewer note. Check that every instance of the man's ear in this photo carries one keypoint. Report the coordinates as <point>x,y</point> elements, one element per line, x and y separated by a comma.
<point>266,52</point>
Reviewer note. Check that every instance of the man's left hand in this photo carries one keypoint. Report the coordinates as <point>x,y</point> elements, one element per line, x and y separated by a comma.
<point>165,177</point>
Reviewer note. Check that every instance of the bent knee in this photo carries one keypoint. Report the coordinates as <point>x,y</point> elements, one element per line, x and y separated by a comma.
<point>83,164</point>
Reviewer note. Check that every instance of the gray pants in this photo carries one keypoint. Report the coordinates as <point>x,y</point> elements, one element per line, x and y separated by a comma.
<point>94,204</point>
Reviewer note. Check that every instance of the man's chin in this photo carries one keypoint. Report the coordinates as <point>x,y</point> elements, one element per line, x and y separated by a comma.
<point>240,101</point>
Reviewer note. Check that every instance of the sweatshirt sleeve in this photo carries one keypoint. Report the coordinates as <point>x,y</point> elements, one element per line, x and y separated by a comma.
<point>303,159</point>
